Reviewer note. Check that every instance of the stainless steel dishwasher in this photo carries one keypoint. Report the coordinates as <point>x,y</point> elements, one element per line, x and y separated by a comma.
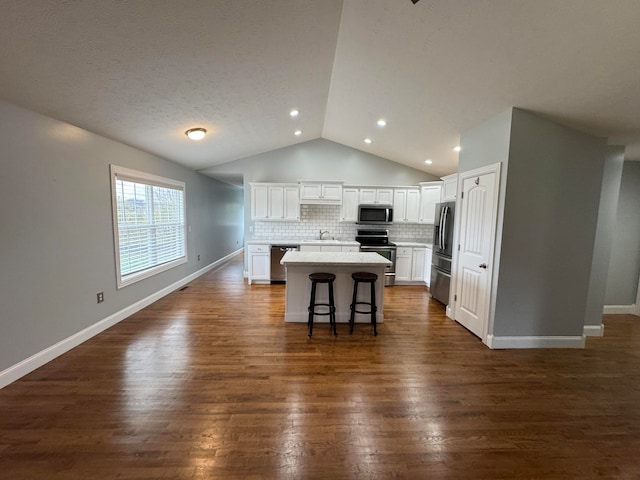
<point>278,272</point>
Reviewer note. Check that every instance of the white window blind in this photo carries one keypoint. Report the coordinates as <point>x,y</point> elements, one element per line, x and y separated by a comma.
<point>149,224</point>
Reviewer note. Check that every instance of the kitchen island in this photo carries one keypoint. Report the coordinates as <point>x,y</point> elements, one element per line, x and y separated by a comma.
<point>342,264</point>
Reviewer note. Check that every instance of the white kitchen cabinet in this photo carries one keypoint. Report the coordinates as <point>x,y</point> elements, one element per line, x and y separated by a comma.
<point>403,264</point>
<point>427,266</point>
<point>322,193</point>
<point>271,201</point>
<point>276,203</point>
<point>328,248</point>
<point>259,202</point>
<point>418,264</point>
<point>259,264</point>
<point>372,195</point>
<point>429,196</point>
<point>350,203</point>
<point>413,265</point>
<point>292,203</point>
<point>309,248</point>
<point>449,188</point>
<point>406,205</point>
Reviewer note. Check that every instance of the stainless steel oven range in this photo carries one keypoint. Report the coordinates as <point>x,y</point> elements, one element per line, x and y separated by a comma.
<point>377,241</point>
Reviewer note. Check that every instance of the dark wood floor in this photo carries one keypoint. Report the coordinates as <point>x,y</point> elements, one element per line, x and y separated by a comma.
<point>210,383</point>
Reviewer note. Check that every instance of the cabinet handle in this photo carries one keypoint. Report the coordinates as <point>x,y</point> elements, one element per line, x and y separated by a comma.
<point>483,265</point>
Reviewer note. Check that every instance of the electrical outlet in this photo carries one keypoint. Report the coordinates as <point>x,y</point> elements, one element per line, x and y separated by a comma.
<point>100,296</point>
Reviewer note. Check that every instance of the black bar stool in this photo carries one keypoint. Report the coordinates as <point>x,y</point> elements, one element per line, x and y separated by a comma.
<point>363,277</point>
<point>317,278</point>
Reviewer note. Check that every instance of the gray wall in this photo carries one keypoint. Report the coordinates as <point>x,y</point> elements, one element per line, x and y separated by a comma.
<point>322,159</point>
<point>549,226</point>
<point>624,268</point>
<point>483,145</point>
<point>604,235</point>
<point>318,159</point>
<point>56,246</point>
<point>551,178</point>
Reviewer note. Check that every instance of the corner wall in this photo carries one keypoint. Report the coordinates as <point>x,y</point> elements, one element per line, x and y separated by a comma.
<point>624,269</point>
<point>57,247</point>
<point>604,237</point>
<point>483,145</point>
<point>549,226</point>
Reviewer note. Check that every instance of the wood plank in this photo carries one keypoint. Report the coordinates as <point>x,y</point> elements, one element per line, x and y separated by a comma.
<point>209,382</point>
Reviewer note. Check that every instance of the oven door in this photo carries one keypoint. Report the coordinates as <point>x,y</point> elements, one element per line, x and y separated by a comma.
<point>390,254</point>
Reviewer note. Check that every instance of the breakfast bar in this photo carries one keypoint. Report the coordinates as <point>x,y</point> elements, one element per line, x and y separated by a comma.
<point>342,264</point>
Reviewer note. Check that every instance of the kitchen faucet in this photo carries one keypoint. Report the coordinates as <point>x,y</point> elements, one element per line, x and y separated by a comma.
<point>322,233</point>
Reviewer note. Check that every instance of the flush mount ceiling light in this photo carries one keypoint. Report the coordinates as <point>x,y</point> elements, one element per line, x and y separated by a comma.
<point>196,133</point>
<point>382,122</point>
<point>457,149</point>
<point>294,113</point>
<point>297,133</point>
<point>428,161</point>
<point>368,141</point>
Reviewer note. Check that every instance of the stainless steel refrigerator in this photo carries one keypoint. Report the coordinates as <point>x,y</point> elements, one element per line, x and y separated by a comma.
<point>442,252</point>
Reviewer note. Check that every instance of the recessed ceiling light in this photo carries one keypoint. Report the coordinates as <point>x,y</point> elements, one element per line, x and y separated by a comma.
<point>457,149</point>
<point>428,161</point>
<point>382,122</point>
<point>294,112</point>
<point>297,133</point>
<point>368,141</point>
<point>196,133</point>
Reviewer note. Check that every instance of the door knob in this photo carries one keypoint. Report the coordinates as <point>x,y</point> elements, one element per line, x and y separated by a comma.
<point>483,265</point>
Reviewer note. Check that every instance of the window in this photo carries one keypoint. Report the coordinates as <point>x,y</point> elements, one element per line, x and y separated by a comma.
<point>148,223</point>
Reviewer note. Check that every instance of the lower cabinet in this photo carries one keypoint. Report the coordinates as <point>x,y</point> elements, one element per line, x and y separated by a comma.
<point>329,248</point>
<point>427,267</point>
<point>403,264</point>
<point>417,264</point>
<point>259,263</point>
<point>413,265</point>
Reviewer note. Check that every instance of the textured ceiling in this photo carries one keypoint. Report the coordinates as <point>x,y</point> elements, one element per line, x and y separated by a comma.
<point>142,72</point>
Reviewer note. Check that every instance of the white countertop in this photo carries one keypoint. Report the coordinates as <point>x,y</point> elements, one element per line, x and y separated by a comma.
<point>334,258</point>
<point>306,241</point>
<point>414,244</point>
<point>301,241</point>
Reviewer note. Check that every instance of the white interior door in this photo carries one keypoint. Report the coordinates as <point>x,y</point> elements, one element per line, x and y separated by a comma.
<point>477,229</point>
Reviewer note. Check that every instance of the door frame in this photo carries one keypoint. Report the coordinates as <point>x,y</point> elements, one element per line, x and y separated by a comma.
<point>451,308</point>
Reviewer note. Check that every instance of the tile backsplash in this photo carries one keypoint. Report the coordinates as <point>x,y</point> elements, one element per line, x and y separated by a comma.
<point>315,218</point>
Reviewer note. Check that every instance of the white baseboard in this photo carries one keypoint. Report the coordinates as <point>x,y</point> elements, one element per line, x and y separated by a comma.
<point>621,309</point>
<point>450,312</point>
<point>576,341</point>
<point>593,330</point>
<point>37,360</point>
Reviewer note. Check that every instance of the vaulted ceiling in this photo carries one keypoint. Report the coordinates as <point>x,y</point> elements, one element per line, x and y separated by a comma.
<point>142,72</point>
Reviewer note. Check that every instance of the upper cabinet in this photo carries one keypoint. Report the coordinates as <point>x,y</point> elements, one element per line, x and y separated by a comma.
<point>429,196</point>
<point>275,201</point>
<point>349,212</point>
<point>406,205</point>
<point>449,188</point>
<point>322,193</point>
<point>370,196</point>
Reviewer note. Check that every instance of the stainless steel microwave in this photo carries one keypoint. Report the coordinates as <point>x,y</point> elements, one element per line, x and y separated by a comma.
<point>375,214</point>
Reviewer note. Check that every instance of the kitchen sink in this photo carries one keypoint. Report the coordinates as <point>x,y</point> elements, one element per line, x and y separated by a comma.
<point>322,241</point>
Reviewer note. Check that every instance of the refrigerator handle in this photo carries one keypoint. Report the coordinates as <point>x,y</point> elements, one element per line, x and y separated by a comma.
<point>440,228</point>
<point>443,230</point>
